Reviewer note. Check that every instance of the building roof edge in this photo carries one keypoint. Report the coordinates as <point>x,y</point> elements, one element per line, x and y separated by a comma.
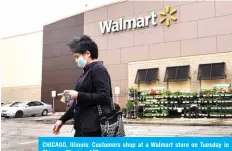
<point>87,10</point>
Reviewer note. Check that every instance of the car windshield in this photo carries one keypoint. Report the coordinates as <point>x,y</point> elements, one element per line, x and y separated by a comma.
<point>18,104</point>
<point>13,104</point>
<point>9,104</point>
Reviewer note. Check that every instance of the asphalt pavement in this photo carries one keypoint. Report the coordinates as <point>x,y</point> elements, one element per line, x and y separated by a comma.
<point>22,134</point>
<point>52,118</point>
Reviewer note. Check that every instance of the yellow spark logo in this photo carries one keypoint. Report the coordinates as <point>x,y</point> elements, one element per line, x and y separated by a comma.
<point>169,11</point>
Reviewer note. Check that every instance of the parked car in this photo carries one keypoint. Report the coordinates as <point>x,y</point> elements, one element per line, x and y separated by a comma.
<point>27,108</point>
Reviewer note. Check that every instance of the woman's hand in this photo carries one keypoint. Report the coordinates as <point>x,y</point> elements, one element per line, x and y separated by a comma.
<point>57,126</point>
<point>73,93</point>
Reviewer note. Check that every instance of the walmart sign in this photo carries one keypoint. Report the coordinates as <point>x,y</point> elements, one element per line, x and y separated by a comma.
<point>121,25</point>
<point>140,22</point>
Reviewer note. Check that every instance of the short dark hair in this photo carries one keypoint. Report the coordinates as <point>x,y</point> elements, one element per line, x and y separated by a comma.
<point>82,44</point>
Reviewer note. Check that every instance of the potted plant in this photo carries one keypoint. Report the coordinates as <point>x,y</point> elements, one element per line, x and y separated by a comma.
<point>153,92</point>
<point>166,93</point>
<point>133,92</point>
<point>129,107</point>
<point>124,112</point>
<point>177,93</point>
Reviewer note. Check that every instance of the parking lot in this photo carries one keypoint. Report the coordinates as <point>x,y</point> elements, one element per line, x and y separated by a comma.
<point>21,134</point>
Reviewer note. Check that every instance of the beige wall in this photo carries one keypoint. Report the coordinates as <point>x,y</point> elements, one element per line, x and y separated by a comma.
<point>208,84</point>
<point>202,27</point>
<point>189,86</point>
<point>144,86</point>
<point>182,86</point>
<point>21,66</point>
<point>21,93</point>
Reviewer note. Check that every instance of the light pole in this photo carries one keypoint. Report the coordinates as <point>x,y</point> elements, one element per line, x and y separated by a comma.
<point>53,101</point>
<point>117,92</point>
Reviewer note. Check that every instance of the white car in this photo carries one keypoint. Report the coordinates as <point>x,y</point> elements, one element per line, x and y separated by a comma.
<point>8,105</point>
<point>27,108</point>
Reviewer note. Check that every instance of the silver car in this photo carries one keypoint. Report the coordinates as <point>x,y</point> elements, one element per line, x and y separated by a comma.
<point>7,105</point>
<point>27,108</point>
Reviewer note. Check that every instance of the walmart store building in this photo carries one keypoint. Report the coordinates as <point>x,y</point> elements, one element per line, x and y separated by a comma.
<point>183,46</point>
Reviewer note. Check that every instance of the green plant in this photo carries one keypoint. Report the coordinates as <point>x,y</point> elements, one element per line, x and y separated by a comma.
<point>195,93</point>
<point>132,89</point>
<point>177,93</point>
<point>166,93</point>
<point>129,105</point>
<point>215,88</point>
<point>136,102</point>
<point>124,110</point>
<point>208,92</point>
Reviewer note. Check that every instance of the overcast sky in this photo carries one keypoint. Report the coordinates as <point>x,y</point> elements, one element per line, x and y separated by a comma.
<point>23,16</point>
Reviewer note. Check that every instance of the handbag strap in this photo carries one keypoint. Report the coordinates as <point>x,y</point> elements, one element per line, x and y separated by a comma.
<point>111,95</point>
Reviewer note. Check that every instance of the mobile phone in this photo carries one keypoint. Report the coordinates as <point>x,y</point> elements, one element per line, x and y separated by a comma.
<point>67,98</point>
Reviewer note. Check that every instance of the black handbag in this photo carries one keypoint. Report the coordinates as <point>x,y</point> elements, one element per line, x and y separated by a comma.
<point>111,123</point>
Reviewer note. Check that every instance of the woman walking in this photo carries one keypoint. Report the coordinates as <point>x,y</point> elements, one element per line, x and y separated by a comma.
<point>93,88</point>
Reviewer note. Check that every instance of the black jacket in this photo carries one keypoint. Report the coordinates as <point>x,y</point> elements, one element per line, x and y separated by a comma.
<point>94,90</point>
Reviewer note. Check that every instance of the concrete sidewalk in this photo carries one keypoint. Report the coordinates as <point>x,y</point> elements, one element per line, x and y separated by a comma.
<point>182,121</point>
<point>156,121</point>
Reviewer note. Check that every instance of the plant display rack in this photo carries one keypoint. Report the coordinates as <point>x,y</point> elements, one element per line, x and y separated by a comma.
<point>148,105</point>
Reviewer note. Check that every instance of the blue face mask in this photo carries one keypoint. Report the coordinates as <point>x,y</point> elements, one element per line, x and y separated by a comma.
<point>81,62</point>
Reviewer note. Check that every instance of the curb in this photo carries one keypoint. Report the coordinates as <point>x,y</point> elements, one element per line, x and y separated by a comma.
<point>146,123</point>
<point>181,124</point>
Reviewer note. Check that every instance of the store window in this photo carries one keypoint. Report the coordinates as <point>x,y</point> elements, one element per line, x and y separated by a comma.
<point>146,75</point>
<point>211,71</point>
<point>177,73</point>
<point>211,74</point>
